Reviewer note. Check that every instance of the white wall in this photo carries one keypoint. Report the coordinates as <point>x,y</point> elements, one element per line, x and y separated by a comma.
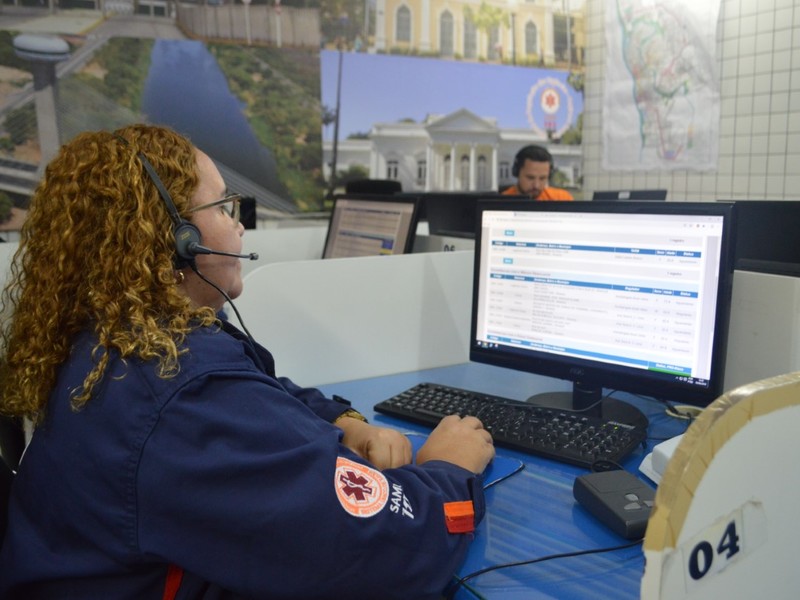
<point>758,55</point>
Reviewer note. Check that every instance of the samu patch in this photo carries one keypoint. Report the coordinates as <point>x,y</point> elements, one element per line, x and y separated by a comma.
<point>362,491</point>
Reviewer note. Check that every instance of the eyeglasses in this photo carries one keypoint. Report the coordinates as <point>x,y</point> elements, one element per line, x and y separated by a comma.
<point>229,205</point>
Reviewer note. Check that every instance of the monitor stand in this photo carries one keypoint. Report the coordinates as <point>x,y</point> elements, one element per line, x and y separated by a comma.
<point>589,400</point>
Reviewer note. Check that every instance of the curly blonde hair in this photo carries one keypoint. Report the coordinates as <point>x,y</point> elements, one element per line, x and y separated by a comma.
<point>96,252</point>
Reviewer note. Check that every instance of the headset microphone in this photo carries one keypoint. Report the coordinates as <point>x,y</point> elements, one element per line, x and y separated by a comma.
<point>194,248</point>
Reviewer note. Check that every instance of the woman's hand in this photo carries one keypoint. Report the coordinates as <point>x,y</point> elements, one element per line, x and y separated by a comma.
<point>383,447</point>
<point>463,442</point>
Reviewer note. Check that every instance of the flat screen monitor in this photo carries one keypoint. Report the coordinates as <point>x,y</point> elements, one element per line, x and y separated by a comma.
<point>453,213</point>
<point>767,236</point>
<point>623,295</point>
<point>371,225</point>
<point>629,195</point>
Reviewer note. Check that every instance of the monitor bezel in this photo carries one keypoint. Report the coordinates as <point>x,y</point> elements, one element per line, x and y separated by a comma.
<point>609,376</point>
<point>384,198</point>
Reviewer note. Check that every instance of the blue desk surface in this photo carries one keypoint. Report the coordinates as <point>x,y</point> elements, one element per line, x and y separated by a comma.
<point>533,513</point>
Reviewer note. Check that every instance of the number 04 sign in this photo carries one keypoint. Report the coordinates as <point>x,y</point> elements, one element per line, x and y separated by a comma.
<point>727,541</point>
<point>725,519</point>
<point>725,544</point>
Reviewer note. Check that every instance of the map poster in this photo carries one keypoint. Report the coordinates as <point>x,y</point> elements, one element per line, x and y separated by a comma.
<point>661,103</point>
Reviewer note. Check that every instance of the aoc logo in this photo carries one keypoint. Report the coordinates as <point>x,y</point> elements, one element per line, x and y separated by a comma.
<point>362,491</point>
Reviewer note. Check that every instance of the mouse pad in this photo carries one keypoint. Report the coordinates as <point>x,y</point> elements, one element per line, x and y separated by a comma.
<point>501,467</point>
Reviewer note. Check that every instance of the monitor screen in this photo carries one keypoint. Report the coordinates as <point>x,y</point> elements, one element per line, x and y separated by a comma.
<point>630,195</point>
<point>623,296</point>
<point>362,225</point>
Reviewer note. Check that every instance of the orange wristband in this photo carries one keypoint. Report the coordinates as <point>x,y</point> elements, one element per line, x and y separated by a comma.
<point>459,516</point>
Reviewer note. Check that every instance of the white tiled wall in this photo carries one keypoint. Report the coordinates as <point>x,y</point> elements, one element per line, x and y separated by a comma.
<point>758,58</point>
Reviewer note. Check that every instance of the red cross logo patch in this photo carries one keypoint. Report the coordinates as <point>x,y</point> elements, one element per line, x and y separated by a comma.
<point>362,491</point>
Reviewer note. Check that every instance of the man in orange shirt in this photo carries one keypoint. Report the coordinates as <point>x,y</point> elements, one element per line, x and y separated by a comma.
<point>533,167</point>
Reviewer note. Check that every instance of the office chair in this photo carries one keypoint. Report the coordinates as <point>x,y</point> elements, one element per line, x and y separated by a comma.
<point>12,444</point>
<point>6,477</point>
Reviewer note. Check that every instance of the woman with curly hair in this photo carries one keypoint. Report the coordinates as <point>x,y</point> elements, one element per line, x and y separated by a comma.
<point>168,459</point>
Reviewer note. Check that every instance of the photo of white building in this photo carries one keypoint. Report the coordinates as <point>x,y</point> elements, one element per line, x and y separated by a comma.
<point>421,155</point>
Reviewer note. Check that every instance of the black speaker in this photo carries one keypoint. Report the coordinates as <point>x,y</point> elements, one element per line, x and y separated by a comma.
<point>247,212</point>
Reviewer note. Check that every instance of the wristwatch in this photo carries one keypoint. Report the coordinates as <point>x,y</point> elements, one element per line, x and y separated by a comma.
<point>353,414</point>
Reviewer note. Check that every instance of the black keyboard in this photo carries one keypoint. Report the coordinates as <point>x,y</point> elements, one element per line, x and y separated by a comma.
<point>565,436</point>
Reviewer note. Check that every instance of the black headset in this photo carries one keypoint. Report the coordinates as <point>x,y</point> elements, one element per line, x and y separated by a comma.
<point>187,246</point>
<point>187,235</point>
<point>533,153</point>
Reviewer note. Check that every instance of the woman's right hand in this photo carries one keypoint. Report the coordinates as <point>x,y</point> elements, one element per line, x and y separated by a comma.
<point>463,442</point>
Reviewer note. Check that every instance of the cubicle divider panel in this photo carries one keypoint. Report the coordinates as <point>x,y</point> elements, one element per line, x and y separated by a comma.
<point>7,250</point>
<point>763,340</point>
<point>327,321</point>
<point>282,245</point>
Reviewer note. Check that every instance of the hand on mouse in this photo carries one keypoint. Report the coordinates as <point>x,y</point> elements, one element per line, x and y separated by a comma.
<point>461,441</point>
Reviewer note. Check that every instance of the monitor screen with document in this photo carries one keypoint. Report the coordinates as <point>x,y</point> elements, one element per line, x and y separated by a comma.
<point>371,225</point>
<point>631,296</point>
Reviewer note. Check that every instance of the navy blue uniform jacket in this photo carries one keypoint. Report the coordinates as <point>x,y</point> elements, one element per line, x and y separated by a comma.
<point>229,472</point>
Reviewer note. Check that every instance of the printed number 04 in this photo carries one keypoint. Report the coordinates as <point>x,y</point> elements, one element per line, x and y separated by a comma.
<point>702,556</point>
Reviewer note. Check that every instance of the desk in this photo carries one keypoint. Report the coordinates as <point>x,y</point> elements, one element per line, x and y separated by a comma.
<point>533,513</point>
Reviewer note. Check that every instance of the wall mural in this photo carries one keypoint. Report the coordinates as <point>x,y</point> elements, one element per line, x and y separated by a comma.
<point>293,98</point>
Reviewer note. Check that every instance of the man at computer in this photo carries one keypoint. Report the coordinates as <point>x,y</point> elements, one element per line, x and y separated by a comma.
<point>533,167</point>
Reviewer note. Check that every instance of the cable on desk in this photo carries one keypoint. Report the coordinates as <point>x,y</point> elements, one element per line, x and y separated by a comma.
<point>683,412</point>
<point>603,464</point>
<point>504,477</point>
<point>460,581</point>
<point>487,485</point>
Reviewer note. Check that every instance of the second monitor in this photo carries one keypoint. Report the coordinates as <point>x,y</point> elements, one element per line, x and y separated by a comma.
<point>371,225</point>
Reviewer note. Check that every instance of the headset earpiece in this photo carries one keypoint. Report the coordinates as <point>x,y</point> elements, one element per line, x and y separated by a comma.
<point>187,236</point>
